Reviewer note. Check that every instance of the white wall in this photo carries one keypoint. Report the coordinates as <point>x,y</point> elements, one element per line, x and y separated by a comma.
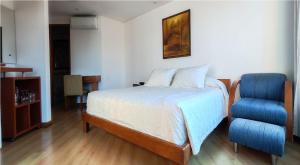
<point>8,4</point>
<point>85,52</point>
<point>114,68</point>
<point>32,42</point>
<point>8,35</point>
<point>99,52</point>
<point>234,37</point>
<point>85,47</point>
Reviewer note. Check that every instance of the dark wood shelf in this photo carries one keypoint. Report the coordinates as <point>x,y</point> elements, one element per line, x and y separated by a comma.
<point>26,103</point>
<point>23,131</point>
<point>18,119</point>
<point>35,126</point>
<point>21,105</point>
<point>28,129</point>
<point>14,69</point>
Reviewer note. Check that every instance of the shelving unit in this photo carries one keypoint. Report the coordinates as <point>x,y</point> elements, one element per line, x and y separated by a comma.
<point>19,118</point>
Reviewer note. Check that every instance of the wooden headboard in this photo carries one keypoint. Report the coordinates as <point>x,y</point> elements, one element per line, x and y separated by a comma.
<point>227,83</point>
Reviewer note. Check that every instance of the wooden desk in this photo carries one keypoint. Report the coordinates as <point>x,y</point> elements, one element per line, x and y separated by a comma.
<point>86,80</point>
<point>92,80</point>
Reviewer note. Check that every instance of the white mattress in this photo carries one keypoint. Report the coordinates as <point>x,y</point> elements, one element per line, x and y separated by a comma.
<point>171,114</point>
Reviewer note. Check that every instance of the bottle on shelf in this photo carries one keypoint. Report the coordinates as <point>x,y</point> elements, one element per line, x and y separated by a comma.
<point>17,95</point>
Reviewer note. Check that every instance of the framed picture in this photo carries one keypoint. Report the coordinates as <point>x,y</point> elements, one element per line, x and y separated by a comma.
<point>177,35</point>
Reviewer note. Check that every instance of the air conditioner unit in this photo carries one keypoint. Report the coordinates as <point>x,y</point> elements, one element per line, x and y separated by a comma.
<point>84,22</point>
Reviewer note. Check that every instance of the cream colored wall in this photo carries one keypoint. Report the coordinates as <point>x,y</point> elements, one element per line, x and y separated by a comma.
<point>9,54</point>
<point>234,37</point>
<point>99,51</point>
<point>32,42</point>
<point>113,54</point>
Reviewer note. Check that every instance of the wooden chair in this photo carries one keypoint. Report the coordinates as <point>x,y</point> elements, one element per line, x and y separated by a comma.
<point>73,86</point>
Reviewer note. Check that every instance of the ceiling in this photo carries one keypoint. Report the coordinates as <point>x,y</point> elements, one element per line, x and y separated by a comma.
<point>119,10</point>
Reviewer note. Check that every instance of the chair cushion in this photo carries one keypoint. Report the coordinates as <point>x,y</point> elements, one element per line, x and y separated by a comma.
<point>261,110</point>
<point>73,85</point>
<point>263,85</point>
<point>261,136</point>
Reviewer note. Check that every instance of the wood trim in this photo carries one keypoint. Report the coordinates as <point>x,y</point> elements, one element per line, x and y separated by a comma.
<point>288,104</point>
<point>14,69</point>
<point>91,79</point>
<point>57,25</point>
<point>227,83</point>
<point>47,124</point>
<point>178,154</point>
<point>232,98</point>
<point>23,78</point>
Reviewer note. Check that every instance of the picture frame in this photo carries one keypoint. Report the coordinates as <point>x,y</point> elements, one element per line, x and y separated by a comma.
<point>177,35</point>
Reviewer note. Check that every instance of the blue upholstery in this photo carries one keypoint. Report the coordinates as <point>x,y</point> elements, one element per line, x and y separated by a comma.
<point>260,116</point>
<point>263,86</point>
<point>262,136</point>
<point>260,110</point>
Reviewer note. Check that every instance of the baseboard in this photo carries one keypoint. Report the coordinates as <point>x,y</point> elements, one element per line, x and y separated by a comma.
<point>47,124</point>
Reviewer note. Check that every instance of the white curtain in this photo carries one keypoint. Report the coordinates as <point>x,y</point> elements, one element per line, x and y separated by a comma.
<point>297,70</point>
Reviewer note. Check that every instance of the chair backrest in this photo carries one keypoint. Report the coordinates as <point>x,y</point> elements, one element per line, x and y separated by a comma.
<point>73,85</point>
<point>268,86</point>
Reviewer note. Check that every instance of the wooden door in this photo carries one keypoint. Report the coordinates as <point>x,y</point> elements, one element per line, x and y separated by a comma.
<point>59,60</point>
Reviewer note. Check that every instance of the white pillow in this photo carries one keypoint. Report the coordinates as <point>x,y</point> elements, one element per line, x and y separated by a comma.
<point>193,77</point>
<point>211,82</point>
<point>214,83</point>
<point>161,77</point>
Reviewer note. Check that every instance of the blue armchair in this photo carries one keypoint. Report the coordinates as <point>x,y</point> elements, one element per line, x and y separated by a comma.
<point>262,119</point>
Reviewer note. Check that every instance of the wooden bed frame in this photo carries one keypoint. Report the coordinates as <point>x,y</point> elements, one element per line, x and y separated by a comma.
<point>177,154</point>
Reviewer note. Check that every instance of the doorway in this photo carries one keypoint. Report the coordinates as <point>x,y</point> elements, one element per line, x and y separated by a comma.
<point>59,35</point>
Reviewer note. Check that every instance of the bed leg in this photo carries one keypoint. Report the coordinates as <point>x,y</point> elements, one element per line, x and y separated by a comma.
<point>86,126</point>
<point>174,163</point>
<point>181,163</point>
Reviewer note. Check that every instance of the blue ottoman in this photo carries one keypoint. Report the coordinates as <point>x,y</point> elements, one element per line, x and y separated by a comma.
<point>258,135</point>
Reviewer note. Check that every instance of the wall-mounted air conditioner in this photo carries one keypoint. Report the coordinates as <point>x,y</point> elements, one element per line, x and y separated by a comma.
<point>84,22</point>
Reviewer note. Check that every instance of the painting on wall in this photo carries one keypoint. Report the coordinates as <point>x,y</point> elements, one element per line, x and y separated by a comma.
<point>177,35</point>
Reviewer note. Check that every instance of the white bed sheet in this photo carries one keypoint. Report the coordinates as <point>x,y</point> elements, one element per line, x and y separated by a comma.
<point>171,114</point>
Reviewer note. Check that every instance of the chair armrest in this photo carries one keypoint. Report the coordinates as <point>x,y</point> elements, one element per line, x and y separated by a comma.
<point>288,104</point>
<point>232,97</point>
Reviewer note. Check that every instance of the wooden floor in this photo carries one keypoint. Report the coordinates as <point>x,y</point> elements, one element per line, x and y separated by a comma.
<point>65,143</point>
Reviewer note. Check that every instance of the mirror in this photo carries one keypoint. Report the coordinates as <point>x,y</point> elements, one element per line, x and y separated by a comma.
<point>8,36</point>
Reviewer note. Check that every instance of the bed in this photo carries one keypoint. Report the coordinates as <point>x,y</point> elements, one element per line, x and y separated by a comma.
<point>164,120</point>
